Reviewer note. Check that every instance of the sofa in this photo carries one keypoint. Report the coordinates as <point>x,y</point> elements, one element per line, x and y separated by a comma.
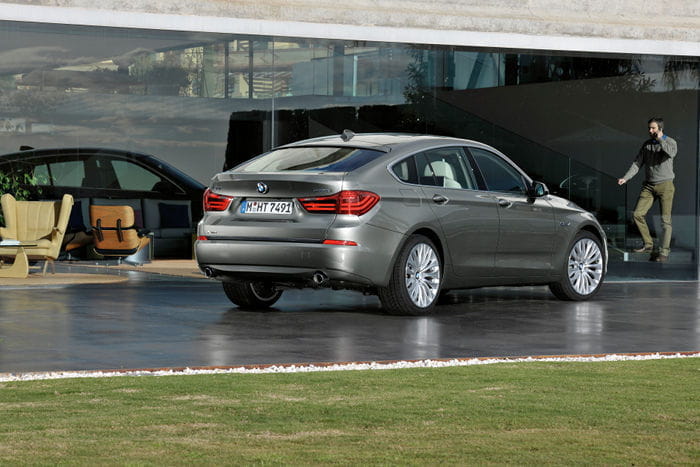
<point>170,222</point>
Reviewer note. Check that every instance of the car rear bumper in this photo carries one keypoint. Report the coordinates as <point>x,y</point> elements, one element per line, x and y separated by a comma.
<point>294,277</point>
<point>367,264</point>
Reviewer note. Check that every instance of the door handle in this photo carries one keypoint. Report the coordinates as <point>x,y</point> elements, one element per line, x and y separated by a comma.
<point>504,203</point>
<point>439,199</point>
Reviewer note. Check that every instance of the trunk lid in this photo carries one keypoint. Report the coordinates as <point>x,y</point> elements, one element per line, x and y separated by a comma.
<point>266,207</point>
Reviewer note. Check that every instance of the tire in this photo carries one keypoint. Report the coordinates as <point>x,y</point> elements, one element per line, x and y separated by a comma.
<point>583,269</point>
<point>414,286</point>
<point>252,295</point>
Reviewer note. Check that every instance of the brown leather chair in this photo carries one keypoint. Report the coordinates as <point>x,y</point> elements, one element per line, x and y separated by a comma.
<point>114,231</point>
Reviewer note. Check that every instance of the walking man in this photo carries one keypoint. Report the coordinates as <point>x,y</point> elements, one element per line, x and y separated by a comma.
<point>656,155</point>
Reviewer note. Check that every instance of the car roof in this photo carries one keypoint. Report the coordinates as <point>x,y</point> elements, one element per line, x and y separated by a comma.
<point>385,142</point>
<point>25,151</point>
<point>147,159</point>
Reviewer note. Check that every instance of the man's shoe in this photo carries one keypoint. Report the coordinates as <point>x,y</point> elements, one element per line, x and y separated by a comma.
<point>661,258</point>
<point>644,249</point>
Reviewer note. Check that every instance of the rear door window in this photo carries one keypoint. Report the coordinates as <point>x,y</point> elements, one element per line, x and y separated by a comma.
<point>64,173</point>
<point>134,177</point>
<point>444,167</point>
<point>448,166</point>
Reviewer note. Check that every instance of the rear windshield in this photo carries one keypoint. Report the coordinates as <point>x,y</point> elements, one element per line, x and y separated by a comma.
<point>311,159</point>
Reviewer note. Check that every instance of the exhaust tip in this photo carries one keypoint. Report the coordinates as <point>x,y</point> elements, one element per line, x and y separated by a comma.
<point>209,272</point>
<point>320,278</point>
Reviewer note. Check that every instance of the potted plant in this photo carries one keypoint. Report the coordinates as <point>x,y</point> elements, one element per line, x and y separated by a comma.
<point>18,186</point>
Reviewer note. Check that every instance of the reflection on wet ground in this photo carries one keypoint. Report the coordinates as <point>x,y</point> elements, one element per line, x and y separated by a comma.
<point>159,321</point>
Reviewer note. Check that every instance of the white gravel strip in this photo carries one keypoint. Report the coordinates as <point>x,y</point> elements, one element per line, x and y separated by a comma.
<point>307,368</point>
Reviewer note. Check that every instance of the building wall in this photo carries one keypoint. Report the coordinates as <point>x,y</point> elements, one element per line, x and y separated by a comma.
<point>594,25</point>
<point>565,92</point>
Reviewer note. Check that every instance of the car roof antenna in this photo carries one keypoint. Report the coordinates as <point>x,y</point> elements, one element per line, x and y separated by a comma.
<point>347,135</point>
<point>25,148</point>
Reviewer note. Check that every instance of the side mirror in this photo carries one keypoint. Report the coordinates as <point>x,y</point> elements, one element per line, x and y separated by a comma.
<point>538,190</point>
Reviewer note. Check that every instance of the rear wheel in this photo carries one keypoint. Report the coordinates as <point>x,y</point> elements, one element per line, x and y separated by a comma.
<point>583,270</point>
<point>414,286</point>
<point>252,295</point>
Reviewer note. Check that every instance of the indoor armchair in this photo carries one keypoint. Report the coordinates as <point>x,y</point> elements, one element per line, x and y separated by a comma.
<point>115,232</point>
<point>40,225</point>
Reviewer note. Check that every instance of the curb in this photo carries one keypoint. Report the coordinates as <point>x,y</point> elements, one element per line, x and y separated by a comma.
<point>342,366</point>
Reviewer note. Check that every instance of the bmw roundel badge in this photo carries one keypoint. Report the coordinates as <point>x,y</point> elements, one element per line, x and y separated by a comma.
<point>263,188</point>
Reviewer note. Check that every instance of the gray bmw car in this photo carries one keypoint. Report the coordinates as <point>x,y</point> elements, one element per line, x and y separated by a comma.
<point>406,217</point>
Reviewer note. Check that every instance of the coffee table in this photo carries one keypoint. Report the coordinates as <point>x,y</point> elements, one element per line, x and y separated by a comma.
<point>20,268</point>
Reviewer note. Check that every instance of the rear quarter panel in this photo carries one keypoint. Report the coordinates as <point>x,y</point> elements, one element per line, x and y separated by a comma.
<point>402,209</point>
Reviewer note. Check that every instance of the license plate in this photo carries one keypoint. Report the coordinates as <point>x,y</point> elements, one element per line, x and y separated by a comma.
<point>266,207</point>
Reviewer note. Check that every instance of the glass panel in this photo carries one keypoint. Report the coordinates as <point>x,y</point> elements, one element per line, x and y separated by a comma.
<point>202,102</point>
<point>448,166</point>
<point>474,70</point>
<point>311,159</point>
<point>69,173</point>
<point>406,170</point>
<point>155,92</point>
<point>423,168</point>
<point>499,176</point>
<point>134,177</point>
<point>41,173</point>
<point>99,173</point>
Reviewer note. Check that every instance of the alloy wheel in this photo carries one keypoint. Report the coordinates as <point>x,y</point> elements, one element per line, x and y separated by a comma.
<point>585,267</point>
<point>422,275</point>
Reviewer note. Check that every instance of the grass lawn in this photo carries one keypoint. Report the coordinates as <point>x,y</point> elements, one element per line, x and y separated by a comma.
<point>635,412</point>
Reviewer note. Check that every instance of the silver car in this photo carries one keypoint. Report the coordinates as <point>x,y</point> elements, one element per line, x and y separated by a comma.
<point>406,217</point>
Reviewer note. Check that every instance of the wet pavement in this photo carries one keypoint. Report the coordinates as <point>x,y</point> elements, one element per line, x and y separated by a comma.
<point>153,321</point>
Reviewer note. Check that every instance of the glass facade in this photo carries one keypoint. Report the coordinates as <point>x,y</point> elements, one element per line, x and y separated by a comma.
<point>203,102</point>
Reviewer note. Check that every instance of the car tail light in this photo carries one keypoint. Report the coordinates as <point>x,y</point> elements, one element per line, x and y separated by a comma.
<point>344,202</point>
<point>339,242</point>
<point>216,202</point>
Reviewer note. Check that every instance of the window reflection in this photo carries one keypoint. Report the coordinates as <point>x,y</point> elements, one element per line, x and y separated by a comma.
<point>585,327</point>
<point>588,318</point>
<point>204,101</point>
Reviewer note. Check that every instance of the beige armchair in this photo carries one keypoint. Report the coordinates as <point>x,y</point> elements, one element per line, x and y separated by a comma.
<point>42,223</point>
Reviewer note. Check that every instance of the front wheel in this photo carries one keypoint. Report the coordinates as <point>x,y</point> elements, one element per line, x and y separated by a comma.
<point>583,270</point>
<point>252,295</point>
<point>415,281</point>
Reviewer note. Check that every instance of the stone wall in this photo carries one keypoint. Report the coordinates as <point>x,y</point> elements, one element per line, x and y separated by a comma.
<point>670,20</point>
